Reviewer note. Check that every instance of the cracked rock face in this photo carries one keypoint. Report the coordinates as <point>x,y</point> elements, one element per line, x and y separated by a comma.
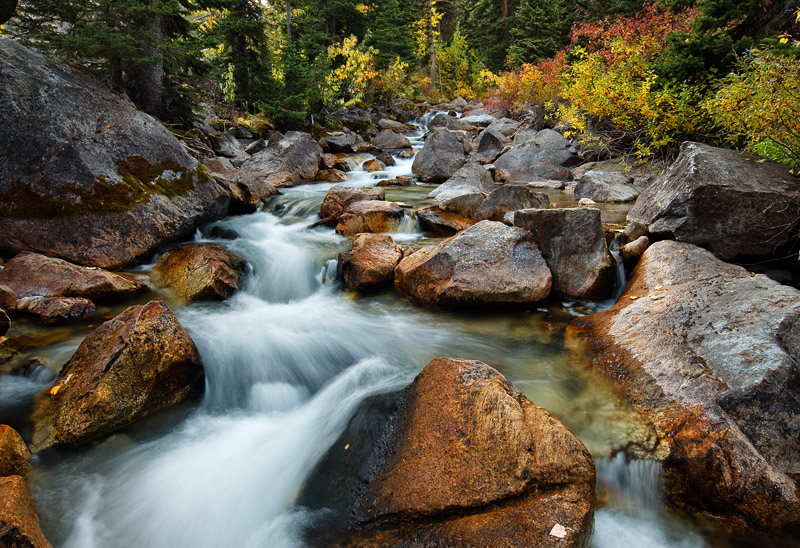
<point>709,354</point>
<point>458,458</point>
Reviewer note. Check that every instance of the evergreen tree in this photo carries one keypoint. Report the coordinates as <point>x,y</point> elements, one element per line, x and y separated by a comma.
<point>539,29</point>
<point>486,30</point>
<point>391,31</point>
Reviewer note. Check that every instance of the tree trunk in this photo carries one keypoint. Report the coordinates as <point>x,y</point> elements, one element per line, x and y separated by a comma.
<point>432,43</point>
<point>288,20</point>
<point>147,78</point>
<point>504,15</point>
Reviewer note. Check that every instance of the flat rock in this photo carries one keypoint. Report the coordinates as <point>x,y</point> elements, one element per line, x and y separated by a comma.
<point>486,265</point>
<point>87,176</point>
<point>218,165</point>
<point>371,216</point>
<point>443,431</point>
<point>708,353</point>
<point>32,274</point>
<point>606,187</point>
<point>370,263</point>
<point>19,522</point>
<point>14,453</point>
<point>389,140</point>
<point>402,180</point>
<point>386,123</point>
<point>511,198</point>
<point>479,120</point>
<point>339,198</point>
<point>573,243</point>
<point>442,222</point>
<point>442,155</point>
<point>133,365</point>
<point>200,272</point>
<point>57,310</point>
<point>729,202</point>
<point>297,155</point>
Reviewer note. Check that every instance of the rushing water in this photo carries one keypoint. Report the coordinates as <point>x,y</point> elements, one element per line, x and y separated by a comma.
<point>288,360</point>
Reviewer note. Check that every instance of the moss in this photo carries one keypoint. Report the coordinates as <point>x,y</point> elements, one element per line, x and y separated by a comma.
<point>141,180</point>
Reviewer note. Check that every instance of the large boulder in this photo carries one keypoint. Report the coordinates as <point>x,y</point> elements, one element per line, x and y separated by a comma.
<point>546,156</point>
<point>370,263</point>
<point>339,198</point>
<point>229,145</point>
<point>511,198</point>
<point>389,140</point>
<point>201,272</point>
<point>443,154</point>
<point>458,458</point>
<point>133,365</point>
<point>85,175</point>
<point>490,144</point>
<point>32,274</point>
<point>370,216</point>
<point>606,187</point>
<point>573,243</point>
<point>248,191</point>
<point>14,453</point>
<point>444,120</point>
<point>441,222</point>
<point>729,202</point>
<point>465,191</point>
<point>297,157</point>
<point>486,265</point>
<point>709,354</point>
<point>340,142</point>
<point>19,522</point>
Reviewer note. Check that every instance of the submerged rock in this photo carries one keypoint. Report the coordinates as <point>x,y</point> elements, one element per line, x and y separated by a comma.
<point>201,272</point>
<point>32,274</point>
<point>370,263</point>
<point>573,243</point>
<point>458,458</point>
<point>486,265</point>
<point>708,353</point>
<point>442,155</point>
<point>57,310</point>
<point>19,523</point>
<point>86,176</point>
<point>339,198</point>
<point>133,365</point>
<point>370,216</point>
<point>729,202</point>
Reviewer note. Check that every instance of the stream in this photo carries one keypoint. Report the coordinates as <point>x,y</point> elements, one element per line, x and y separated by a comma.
<point>288,360</point>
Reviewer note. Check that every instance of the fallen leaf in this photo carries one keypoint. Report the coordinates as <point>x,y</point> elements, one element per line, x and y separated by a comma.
<point>558,531</point>
<point>55,389</point>
<point>346,447</point>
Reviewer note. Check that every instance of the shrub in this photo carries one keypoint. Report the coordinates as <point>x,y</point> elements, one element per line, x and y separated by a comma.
<point>531,84</point>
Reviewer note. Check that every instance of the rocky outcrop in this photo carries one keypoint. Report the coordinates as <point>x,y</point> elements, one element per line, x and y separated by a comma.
<point>19,523</point>
<point>295,157</point>
<point>88,177</point>
<point>339,198</point>
<point>389,140</point>
<point>32,274</point>
<point>370,263</point>
<point>131,366</point>
<point>442,222</point>
<point>458,458</point>
<point>442,155</point>
<point>511,198</point>
<point>200,272</point>
<point>729,202</point>
<point>546,156</point>
<point>708,353</point>
<point>606,187</point>
<point>370,216</point>
<point>57,310</point>
<point>14,453</point>
<point>486,265</point>
<point>573,244</point>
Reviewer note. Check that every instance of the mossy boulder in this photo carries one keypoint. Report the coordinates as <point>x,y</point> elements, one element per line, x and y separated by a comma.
<point>85,175</point>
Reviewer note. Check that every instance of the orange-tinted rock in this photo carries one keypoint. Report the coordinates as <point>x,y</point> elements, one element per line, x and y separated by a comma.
<point>331,176</point>
<point>19,522</point>
<point>458,458</point>
<point>441,222</point>
<point>31,274</point>
<point>708,353</point>
<point>201,272</point>
<point>370,263</point>
<point>370,216</point>
<point>13,452</point>
<point>5,322</point>
<point>131,366</point>
<point>487,265</point>
<point>57,310</point>
<point>8,298</point>
<point>371,166</point>
<point>339,198</point>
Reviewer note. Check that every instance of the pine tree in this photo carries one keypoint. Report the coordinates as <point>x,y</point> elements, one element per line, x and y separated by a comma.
<point>486,30</point>
<point>538,29</point>
<point>391,32</point>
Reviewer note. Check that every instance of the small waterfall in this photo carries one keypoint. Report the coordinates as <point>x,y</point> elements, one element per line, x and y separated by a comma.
<point>620,281</point>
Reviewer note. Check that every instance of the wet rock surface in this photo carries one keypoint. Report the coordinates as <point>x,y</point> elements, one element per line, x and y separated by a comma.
<point>90,178</point>
<point>486,265</point>
<point>729,202</point>
<point>19,523</point>
<point>14,453</point>
<point>370,263</point>
<point>371,216</point>
<point>443,154</point>
<point>423,467</point>
<point>442,222</point>
<point>389,140</point>
<point>201,272</point>
<point>131,366</point>
<point>339,198</point>
<point>708,353</point>
<point>57,310</point>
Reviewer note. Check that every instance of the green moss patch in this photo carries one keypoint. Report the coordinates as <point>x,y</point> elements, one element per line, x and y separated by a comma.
<point>141,180</point>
